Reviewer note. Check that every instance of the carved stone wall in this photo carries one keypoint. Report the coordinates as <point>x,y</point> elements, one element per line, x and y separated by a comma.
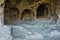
<point>19,6</point>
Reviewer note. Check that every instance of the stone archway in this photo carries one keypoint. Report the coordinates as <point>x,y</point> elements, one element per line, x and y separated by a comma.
<point>42,10</point>
<point>12,15</point>
<point>27,15</point>
<point>11,12</point>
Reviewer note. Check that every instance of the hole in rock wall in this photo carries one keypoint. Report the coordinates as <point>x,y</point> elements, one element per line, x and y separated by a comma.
<point>42,10</point>
<point>27,15</point>
<point>11,13</point>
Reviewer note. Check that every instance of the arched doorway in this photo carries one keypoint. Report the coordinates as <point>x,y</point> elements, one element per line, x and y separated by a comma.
<point>27,15</point>
<point>11,16</point>
<point>42,10</point>
<point>11,12</point>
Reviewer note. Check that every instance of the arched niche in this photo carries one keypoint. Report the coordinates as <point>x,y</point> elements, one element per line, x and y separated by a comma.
<point>12,15</point>
<point>11,12</point>
<point>42,10</point>
<point>27,14</point>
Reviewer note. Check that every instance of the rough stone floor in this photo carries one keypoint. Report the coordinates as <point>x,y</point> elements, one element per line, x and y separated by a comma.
<point>35,30</point>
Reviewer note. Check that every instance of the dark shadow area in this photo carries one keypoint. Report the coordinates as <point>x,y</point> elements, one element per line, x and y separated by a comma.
<point>6,9</point>
<point>27,15</point>
<point>11,16</point>
<point>11,13</point>
<point>42,10</point>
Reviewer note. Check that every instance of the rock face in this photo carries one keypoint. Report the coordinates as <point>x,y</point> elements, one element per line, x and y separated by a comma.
<point>26,9</point>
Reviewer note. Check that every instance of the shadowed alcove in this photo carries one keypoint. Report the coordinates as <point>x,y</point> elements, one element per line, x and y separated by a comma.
<point>11,12</point>
<point>27,14</point>
<point>42,10</point>
<point>12,15</point>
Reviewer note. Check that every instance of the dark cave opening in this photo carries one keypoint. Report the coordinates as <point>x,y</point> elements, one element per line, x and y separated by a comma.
<point>11,13</point>
<point>42,10</point>
<point>27,14</point>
